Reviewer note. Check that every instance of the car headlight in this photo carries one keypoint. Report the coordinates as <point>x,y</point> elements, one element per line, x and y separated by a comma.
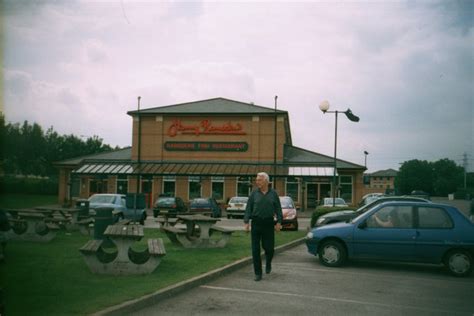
<point>309,235</point>
<point>291,214</point>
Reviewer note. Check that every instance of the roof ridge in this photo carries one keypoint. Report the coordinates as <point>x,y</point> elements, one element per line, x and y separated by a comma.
<point>201,101</point>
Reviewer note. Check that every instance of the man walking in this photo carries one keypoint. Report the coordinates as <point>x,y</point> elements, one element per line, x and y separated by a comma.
<point>262,205</point>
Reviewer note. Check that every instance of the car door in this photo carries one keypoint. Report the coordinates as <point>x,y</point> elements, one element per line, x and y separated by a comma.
<point>395,242</point>
<point>435,233</point>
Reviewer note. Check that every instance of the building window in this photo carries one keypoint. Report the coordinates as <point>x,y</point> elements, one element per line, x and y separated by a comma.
<point>169,185</point>
<point>97,186</point>
<point>292,188</point>
<point>75,187</point>
<point>244,186</point>
<point>194,188</point>
<point>122,185</point>
<point>218,188</point>
<point>345,183</point>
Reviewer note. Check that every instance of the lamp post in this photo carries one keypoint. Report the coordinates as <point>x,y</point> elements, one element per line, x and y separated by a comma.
<point>365,160</point>
<point>324,107</point>
<point>275,143</point>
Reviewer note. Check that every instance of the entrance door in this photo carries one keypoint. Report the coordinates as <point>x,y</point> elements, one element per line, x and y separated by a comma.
<point>315,192</point>
<point>147,186</point>
<point>311,195</point>
<point>324,190</point>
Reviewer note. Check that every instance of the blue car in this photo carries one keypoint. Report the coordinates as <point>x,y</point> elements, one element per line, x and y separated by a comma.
<point>399,231</point>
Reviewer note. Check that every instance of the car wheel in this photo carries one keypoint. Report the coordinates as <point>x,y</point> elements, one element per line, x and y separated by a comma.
<point>296,226</point>
<point>229,217</point>
<point>332,253</point>
<point>459,262</point>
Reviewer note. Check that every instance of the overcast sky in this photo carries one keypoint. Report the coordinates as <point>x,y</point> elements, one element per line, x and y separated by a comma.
<point>405,68</point>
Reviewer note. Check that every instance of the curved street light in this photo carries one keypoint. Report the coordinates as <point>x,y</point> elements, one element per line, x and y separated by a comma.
<point>324,107</point>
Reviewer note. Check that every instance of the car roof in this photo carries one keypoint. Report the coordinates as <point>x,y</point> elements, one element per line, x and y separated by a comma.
<point>416,203</point>
<point>108,194</point>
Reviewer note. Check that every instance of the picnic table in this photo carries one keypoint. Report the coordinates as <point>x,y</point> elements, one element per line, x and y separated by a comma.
<point>69,218</point>
<point>201,237</point>
<point>125,260</point>
<point>31,225</point>
<point>167,218</point>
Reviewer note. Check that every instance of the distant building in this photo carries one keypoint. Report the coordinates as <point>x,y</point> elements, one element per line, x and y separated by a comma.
<point>381,180</point>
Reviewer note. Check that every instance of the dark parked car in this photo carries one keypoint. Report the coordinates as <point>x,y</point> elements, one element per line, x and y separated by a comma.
<point>169,204</point>
<point>399,231</point>
<point>347,215</point>
<point>205,205</point>
<point>119,204</point>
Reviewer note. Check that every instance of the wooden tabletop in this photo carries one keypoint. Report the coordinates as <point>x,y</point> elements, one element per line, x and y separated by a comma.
<point>129,231</point>
<point>56,209</point>
<point>30,215</point>
<point>198,218</point>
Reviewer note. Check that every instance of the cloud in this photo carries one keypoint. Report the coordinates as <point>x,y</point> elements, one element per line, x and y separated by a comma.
<point>405,68</point>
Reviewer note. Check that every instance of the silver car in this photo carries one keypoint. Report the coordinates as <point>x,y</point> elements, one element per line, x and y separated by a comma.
<point>119,203</point>
<point>236,206</point>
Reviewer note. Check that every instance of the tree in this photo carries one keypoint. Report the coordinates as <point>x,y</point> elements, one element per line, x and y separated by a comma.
<point>447,177</point>
<point>27,150</point>
<point>415,175</point>
<point>438,178</point>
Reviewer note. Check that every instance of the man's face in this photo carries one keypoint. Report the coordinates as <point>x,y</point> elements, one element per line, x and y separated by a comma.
<point>261,182</point>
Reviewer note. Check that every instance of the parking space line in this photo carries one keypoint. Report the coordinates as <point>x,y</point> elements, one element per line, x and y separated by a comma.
<point>323,298</point>
<point>294,266</point>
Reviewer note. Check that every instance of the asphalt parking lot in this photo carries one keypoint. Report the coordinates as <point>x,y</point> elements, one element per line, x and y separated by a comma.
<point>299,285</point>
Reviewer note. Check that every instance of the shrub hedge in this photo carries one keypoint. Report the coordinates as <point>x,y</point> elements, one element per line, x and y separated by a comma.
<point>29,185</point>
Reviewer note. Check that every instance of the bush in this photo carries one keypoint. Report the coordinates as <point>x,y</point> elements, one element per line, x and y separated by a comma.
<point>321,210</point>
<point>13,184</point>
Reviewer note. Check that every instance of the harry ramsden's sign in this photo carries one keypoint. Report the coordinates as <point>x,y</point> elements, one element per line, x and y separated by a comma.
<point>205,127</point>
<point>206,146</point>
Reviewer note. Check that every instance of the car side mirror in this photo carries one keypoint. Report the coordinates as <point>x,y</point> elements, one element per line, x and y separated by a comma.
<point>362,225</point>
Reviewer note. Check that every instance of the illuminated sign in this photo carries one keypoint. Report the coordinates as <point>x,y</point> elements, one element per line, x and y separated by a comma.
<point>205,127</point>
<point>206,146</point>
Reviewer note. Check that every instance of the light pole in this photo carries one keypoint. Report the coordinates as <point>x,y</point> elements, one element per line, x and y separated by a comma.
<point>324,107</point>
<point>365,160</point>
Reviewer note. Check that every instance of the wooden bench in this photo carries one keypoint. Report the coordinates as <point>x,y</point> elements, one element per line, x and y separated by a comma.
<point>156,247</point>
<point>85,226</point>
<point>173,233</point>
<point>52,226</point>
<point>175,230</point>
<point>165,222</point>
<point>221,229</point>
<point>92,246</point>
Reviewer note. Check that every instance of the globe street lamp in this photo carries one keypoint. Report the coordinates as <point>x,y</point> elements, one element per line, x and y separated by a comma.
<point>324,107</point>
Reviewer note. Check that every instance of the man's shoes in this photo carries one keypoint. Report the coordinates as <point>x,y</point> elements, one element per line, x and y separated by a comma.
<point>268,269</point>
<point>258,277</point>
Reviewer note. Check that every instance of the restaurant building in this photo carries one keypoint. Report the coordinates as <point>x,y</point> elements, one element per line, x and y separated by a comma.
<point>207,148</point>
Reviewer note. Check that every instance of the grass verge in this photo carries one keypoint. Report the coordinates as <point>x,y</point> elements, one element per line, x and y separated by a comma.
<point>52,278</point>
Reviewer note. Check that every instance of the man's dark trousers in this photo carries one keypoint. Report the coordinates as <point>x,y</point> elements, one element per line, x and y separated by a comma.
<point>263,232</point>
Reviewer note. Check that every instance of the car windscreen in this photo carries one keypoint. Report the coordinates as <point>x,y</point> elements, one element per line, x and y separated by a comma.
<point>196,203</point>
<point>165,201</point>
<point>286,203</point>
<point>102,199</point>
<point>338,201</point>
<point>239,200</point>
